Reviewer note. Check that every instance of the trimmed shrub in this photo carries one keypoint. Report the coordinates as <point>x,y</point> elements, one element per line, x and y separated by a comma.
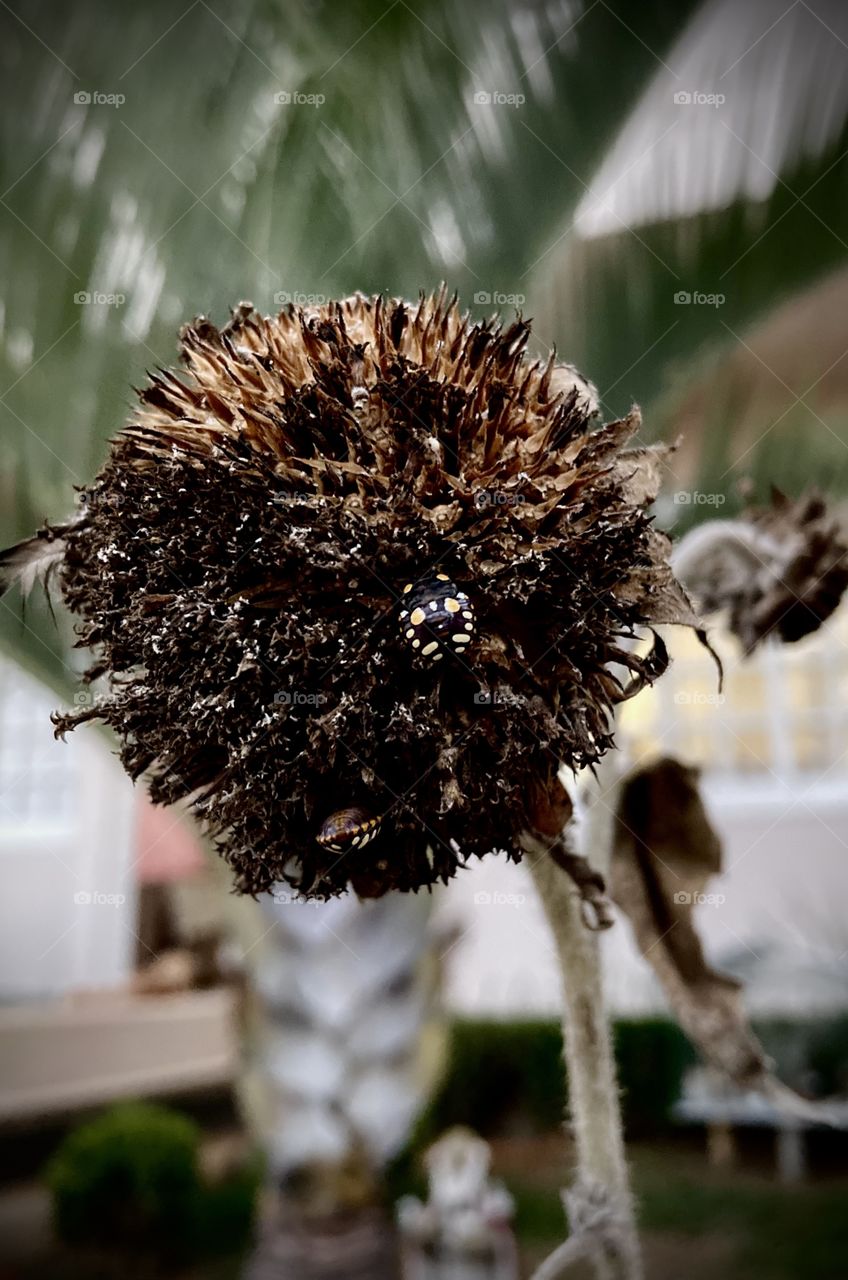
<point>129,1182</point>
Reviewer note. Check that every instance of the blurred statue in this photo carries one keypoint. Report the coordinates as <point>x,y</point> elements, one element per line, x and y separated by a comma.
<point>464,1230</point>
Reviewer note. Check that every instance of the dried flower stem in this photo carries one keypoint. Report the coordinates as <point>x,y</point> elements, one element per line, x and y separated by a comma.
<point>599,1204</point>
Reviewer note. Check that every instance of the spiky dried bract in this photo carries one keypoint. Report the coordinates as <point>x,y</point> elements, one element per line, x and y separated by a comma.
<point>778,571</point>
<point>807,584</point>
<point>246,545</point>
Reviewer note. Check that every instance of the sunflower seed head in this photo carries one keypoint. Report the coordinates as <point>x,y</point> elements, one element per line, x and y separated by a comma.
<point>275,498</point>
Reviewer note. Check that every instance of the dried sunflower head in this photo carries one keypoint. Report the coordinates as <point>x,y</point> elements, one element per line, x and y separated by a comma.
<point>779,571</point>
<point>240,565</point>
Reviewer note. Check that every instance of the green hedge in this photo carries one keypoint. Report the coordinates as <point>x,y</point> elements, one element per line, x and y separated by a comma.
<point>809,1054</point>
<point>507,1077</point>
<point>129,1182</point>
<point>652,1056</point>
<point>501,1077</point>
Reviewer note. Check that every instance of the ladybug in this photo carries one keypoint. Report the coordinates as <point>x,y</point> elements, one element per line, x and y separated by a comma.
<point>435,616</point>
<point>348,829</point>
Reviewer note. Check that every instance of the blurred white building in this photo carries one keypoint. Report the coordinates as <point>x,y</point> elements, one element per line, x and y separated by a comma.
<point>774,752</point>
<point>72,842</point>
<point>774,747</point>
<point>67,887</point>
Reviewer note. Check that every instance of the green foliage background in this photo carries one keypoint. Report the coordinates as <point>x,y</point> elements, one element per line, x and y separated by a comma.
<point>205,186</point>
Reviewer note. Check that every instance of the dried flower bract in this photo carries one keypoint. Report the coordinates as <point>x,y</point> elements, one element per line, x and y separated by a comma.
<point>239,573</point>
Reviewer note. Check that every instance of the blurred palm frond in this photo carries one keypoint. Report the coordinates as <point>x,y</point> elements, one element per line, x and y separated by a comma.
<point>162,163</point>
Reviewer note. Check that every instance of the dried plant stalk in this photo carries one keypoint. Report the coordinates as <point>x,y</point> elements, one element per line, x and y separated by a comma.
<point>599,1203</point>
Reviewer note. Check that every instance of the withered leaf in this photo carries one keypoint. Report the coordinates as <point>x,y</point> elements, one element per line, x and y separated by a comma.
<point>664,853</point>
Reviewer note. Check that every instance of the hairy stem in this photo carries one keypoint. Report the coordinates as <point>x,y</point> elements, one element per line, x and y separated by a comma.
<point>599,1204</point>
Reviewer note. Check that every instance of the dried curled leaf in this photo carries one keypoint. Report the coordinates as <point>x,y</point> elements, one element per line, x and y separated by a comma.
<point>664,853</point>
